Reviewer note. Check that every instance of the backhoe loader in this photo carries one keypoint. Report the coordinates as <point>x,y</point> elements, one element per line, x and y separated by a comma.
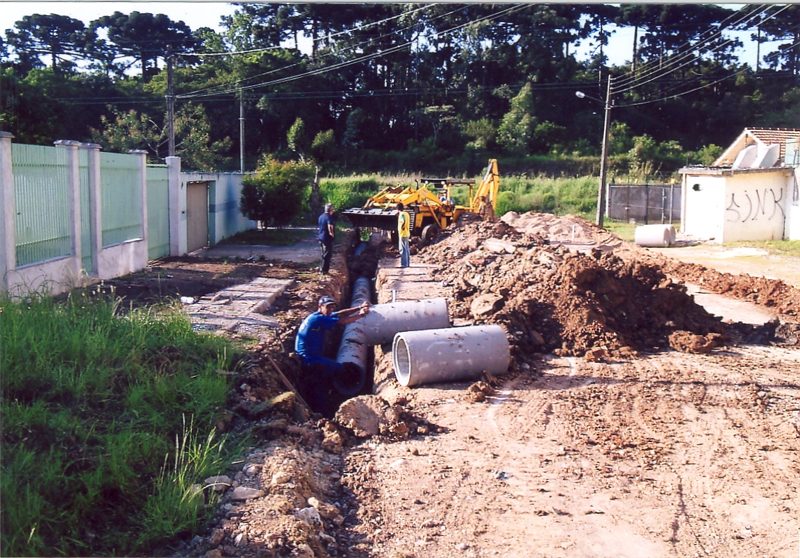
<point>429,204</point>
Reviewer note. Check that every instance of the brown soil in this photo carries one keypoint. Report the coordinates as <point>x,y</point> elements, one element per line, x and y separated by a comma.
<point>631,422</point>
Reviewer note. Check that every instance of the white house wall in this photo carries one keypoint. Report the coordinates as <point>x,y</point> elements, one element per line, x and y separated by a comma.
<point>224,192</point>
<point>703,215</point>
<point>792,231</point>
<point>755,206</point>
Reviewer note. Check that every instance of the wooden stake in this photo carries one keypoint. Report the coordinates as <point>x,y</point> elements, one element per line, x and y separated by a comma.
<point>288,384</point>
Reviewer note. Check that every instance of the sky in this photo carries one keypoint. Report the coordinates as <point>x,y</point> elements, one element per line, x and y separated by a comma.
<point>208,14</point>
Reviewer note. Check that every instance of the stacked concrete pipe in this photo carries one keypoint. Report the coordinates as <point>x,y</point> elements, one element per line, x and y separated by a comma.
<point>380,325</point>
<point>451,354</point>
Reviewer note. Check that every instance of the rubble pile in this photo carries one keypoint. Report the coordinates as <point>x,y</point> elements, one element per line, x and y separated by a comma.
<point>552,299</point>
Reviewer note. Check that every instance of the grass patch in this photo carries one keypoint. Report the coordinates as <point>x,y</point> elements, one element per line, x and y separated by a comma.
<point>268,237</point>
<point>774,247</point>
<point>623,229</point>
<point>108,423</point>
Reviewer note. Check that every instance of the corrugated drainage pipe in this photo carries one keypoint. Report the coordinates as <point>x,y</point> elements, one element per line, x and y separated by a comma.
<point>451,354</point>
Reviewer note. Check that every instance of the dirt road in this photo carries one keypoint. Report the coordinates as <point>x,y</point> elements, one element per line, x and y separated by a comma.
<point>666,455</point>
<point>600,441</point>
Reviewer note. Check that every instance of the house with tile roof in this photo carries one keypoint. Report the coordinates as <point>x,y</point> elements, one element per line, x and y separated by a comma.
<point>749,193</point>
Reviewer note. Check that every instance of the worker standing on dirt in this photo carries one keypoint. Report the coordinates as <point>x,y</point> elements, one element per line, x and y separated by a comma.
<point>404,234</point>
<point>310,346</point>
<point>325,236</point>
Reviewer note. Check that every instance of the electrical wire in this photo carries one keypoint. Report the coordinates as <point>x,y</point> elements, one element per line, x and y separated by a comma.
<point>325,38</point>
<point>269,72</point>
<point>386,52</point>
<point>651,75</point>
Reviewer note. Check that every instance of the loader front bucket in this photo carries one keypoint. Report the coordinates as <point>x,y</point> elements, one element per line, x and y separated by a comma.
<point>372,218</point>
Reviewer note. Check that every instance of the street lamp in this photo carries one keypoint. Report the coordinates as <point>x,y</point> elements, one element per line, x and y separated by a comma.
<point>601,190</point>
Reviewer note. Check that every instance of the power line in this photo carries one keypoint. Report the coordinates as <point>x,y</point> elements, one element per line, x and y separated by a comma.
<point>359,59</point>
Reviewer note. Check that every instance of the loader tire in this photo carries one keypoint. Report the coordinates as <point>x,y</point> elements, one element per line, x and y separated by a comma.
<point>429,233</point>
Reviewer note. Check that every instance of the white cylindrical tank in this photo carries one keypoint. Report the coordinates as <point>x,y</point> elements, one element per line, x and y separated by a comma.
<point>654,235</point>
<point>450,354</point>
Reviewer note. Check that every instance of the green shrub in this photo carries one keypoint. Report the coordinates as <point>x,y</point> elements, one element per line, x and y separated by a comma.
<point>277,194</point>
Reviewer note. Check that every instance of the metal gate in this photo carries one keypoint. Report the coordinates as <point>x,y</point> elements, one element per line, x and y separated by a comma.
<point>196,215</point>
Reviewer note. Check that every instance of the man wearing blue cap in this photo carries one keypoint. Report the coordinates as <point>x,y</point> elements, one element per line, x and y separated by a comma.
<point>310,346</point>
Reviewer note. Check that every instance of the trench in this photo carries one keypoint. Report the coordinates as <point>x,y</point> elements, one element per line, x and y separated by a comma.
<point>424,345</point>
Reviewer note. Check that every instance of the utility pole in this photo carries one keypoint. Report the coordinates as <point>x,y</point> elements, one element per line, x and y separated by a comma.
<point>170,104</point>
<point>601,191</point>
<point>241,131</point>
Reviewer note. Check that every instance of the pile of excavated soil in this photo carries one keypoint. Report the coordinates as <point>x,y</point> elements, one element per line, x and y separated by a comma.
<point>549,298</point>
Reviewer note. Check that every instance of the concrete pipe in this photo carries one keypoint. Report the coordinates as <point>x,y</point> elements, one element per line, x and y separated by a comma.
<point>353,348</point>
<point>654,235</point>
<point>451,354</point>
<point>384,321</point>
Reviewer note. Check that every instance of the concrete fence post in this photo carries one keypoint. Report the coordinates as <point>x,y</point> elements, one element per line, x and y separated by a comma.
<point>8,255</point>
<point>142,154</point>
<point>177,208</point>
<point>95,205</point>
<point>74,182</point>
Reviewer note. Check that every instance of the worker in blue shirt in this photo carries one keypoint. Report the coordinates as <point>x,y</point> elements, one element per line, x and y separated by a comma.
<point>325,234</point>
<point>310,346</point>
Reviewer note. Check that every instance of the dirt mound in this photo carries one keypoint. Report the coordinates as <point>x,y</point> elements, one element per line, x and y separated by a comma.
<point>596,304</point>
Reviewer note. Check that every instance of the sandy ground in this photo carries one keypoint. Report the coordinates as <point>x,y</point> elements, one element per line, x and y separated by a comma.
<point>752,261</point>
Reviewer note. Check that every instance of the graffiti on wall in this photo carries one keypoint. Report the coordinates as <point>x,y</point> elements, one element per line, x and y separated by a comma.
<point>747,206</point>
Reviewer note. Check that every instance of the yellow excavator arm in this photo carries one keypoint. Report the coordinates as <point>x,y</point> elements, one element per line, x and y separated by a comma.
<point>488,188</point>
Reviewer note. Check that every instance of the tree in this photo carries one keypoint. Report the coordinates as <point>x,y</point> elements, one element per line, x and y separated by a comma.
<point>785,27</point>
<point>518,124</point>
<point>55,36</point>
<point>146,37</point>
<point>297,138</point>
<point>277,192</point>
<point>134,130</point>
<point>323,148</point>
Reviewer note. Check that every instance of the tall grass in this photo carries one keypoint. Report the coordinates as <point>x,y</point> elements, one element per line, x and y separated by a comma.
<point>517,193</point>
<point>547,195</point>
<point>92,403</point>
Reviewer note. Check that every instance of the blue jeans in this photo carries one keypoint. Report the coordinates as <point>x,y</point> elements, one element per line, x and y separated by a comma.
<point>319,381</point>
<point>405,254</point>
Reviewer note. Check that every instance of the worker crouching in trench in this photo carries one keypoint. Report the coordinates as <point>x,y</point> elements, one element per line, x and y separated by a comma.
<point>321,373</point>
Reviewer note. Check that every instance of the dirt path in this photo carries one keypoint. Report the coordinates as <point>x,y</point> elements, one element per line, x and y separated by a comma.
<point>601,441</point>
<point>752,261</point>
<point>666,455</point>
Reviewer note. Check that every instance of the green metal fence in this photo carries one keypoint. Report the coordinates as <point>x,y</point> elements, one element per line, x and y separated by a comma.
<point>157,211</point>
<point>41,200</point>
<point>121,199</point>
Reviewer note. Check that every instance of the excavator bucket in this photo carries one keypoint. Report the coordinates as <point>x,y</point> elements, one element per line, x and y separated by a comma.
<point>372,218</point>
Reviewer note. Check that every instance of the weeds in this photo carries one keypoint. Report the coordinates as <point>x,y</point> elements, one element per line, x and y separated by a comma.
<point>92,402</point>
<point>268,236</point>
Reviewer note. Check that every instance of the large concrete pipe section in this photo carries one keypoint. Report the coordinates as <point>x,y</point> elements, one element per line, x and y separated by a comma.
<point>654,235</point>
<point>384,321</point>
<point>451,354</point>
<point>353,349</point>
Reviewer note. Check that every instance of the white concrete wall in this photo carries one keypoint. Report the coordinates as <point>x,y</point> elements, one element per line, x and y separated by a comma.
<point>792,230</point>
<point>224,192</point>
<point>702,214</point>
<point>756,206</point>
